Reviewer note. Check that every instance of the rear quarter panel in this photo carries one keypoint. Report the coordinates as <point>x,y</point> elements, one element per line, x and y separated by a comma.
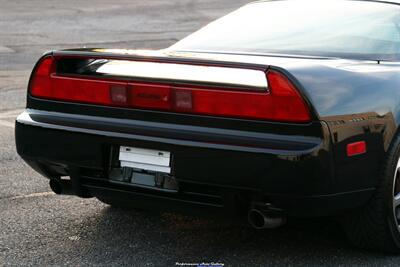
<point>358,101</point>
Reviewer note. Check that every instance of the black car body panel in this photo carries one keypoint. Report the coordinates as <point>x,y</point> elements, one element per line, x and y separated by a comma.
<point>55,143</point>
<point>301,168</point>
<point>299,161</point>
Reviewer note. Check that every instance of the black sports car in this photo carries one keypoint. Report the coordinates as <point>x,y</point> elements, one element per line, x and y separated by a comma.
<point>279,109</point>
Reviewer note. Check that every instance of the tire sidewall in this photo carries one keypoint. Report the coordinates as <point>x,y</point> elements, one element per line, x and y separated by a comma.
<point>388,184</point>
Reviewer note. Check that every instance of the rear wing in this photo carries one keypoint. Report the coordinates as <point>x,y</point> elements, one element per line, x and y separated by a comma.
<point>156,66</point>
<point>166,83</point>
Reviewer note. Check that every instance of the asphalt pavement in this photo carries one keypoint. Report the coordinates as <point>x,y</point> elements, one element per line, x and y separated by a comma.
<point>38,228</point>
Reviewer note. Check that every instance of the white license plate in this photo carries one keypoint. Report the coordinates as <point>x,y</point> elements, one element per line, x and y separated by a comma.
<point>145,159</point>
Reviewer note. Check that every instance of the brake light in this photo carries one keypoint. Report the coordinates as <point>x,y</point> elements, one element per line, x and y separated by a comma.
<point>40,84</point>
<point>286,102</point>
<point>282,102</point>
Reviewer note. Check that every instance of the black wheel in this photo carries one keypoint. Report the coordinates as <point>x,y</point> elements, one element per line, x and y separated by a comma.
<point>377,225</point>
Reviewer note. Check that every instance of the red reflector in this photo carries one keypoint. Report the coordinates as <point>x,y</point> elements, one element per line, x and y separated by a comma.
<point>356,148</point>
<point>282,102</point>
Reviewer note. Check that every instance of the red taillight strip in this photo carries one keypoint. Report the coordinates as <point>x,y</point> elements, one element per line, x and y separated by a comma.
<point>282,102</point>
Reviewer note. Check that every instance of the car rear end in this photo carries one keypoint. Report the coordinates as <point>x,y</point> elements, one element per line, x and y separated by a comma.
<point>177,134</point>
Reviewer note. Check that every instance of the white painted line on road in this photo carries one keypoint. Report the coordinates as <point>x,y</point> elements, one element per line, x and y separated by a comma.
<point>10,113</point>
<point>6,50</point>
<point>9,116</point>
<point>42,194</point>
<point>7,124</point>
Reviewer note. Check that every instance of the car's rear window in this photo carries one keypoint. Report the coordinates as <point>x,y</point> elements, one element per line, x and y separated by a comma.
<point>350,29</point>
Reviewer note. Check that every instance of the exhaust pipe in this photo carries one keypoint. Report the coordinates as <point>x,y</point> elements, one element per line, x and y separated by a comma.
<point>72,186</point>
<point>264,219</point>
<point>62,187</point>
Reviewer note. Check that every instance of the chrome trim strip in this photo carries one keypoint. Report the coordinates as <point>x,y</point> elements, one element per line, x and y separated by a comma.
<point>185,72</point>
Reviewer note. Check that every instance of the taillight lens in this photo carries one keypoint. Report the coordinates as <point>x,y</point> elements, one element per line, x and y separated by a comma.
<point>40,84</point>
<point>282,102</point>
<point>286,102</point>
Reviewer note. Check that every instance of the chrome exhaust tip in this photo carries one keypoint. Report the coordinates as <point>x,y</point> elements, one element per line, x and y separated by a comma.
<point>260,219</point>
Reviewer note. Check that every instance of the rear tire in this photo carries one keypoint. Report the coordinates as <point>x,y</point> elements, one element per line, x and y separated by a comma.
<point>376,226</point>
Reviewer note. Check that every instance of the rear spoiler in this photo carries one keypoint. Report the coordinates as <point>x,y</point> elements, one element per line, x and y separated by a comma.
<point>145,65</point>
<point>169,84</point>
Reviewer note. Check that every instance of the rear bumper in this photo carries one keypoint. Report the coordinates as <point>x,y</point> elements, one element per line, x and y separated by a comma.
<point>215,167</point>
